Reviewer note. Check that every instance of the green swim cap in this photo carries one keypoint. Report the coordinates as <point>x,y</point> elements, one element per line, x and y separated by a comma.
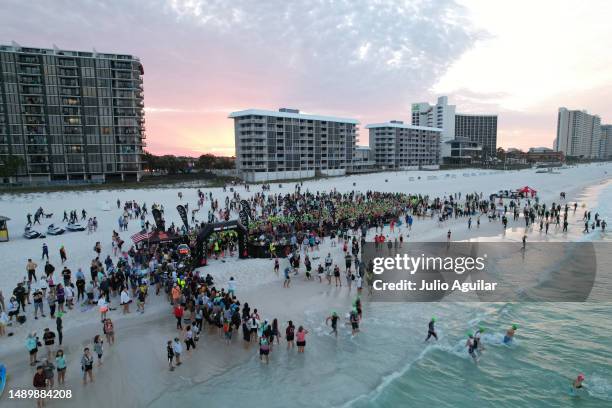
<point>481,329</point>
<point>334,313</point>
<point>514,326</point>
<point>470,334</point>
<point>433,319</point>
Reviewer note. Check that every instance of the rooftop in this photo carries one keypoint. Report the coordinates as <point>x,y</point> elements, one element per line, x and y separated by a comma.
<point>291,113</point>
<point>14,47</point>
<point>476,114</point>
<point>395,124</point>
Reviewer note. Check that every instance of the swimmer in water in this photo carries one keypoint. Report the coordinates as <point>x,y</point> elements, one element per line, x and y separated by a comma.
<point>354,321</point>
<point>478,344</point>
<point>577,384</point>
<point>431,331</point>
<point>510,334</point>
<point>334,323</point>
<point>471,346</point>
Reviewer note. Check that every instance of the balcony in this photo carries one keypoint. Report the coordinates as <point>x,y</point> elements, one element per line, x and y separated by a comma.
<point>70,101</point>
<point>28,90</point>
<point>124,112</point>
<point>33,120</point>
<point>32,100</point>
<point>122,75</point>
<point>29,70</point>
<point>35,130</point>
<point>37,140</point>
<point>72,121</point>
<point>72,130</point>
<point>68,82</point>
<point>66,62</point>
<point>67,72</point>
<point>38,149</point>
<point>26,59</point>
<point>71,111</point>
<point>38,168</point>
<point>123,85</point>
<point>124,66</point>
<point>33,110</point>
<point>70,91</point>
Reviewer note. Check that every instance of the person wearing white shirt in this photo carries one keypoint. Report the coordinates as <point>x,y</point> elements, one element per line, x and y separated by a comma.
<point>231,286</point>
<point>177,347</point>
<point>125,301</point>
<point>69,295</point>
<point>103,306</point>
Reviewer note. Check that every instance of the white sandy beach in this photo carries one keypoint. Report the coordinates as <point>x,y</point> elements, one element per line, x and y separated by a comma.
<point>135,371</point>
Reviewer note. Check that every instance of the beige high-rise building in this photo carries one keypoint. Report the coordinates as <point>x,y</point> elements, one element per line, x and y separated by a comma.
<point>578,134</point>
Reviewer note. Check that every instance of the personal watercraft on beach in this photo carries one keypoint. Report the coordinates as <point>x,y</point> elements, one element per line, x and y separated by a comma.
<point>53,230</point>
<point>29,233</point>
<point>75,226</point>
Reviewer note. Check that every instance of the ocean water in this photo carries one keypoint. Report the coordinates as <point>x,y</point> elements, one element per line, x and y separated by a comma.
<point>389,365</point>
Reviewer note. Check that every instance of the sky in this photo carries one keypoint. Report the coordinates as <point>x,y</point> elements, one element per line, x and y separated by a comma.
<point>364,59</point>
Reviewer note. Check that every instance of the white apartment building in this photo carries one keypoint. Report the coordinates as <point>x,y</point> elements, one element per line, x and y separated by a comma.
<point>287,144</point>
<point>404,147</point>
<point>578,134</point>
<point>440,116</point>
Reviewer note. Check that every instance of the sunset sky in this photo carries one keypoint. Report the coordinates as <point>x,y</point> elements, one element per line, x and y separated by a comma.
<point>364,59</point>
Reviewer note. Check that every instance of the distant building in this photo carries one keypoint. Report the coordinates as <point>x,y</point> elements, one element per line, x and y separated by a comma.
<point>288,144</point>
<point>481,129</point>
<point>71,114</point>
<point>544,155</point>
<point>441,116</point>
<point>401,147</point>
<point>534,155</point>
<point>462,151</point>
<point>606,142</point>
<point>363,160</point>
<point>578,134</point>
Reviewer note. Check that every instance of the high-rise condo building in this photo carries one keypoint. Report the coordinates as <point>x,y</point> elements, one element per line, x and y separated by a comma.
<point>578,134</point>
<point>71,114</point>
<point>481,129</point>
<point>440,116</point>
<point>398,146</point>
<point>606,142</point>
<point>288,144</point>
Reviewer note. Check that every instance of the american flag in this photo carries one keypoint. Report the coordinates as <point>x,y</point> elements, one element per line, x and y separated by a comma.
<point>141,236</point>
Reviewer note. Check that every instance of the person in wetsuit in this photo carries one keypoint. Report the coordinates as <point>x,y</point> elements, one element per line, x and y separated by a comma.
<point>431,331</point>
<point>334,322</point>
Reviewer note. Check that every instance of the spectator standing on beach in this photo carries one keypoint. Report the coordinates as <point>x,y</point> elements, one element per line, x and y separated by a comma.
<point>87,365</point>
<point>178,349</point>
<point>170,352</point>
<point>40,384</point>
<point>60,364</point>
<point>31,266</point>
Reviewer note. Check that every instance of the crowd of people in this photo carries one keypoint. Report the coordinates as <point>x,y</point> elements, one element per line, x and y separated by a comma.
<point>298,223</point>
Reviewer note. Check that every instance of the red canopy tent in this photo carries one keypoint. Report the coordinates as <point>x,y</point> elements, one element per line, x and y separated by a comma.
<point>527,190</point>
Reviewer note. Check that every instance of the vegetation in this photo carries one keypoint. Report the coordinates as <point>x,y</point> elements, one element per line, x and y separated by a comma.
<point>10,165</point>
<point>172,165</point>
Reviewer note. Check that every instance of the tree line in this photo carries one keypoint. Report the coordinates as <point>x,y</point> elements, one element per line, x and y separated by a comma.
<point>172,164</point>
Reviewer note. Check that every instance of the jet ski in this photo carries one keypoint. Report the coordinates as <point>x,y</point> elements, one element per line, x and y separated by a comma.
<point>29,233</point>
<point>53,230</point>
<point>75,226</point>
